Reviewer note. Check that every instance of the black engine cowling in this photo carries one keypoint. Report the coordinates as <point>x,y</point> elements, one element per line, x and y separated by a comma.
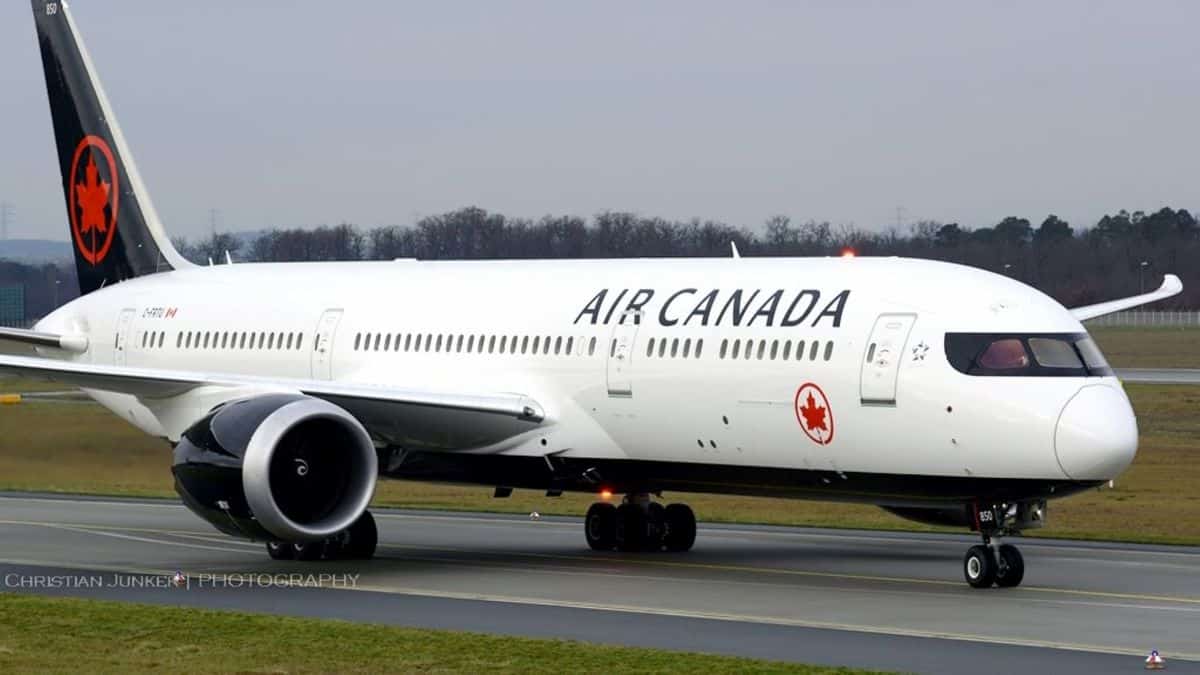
<point>277,467</point>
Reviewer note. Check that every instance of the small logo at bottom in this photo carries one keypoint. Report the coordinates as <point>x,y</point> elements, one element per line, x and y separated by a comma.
<point>179,580</point>
<point>1154,661</point>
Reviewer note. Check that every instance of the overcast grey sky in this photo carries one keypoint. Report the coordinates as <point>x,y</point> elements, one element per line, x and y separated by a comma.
<point>302,113</point>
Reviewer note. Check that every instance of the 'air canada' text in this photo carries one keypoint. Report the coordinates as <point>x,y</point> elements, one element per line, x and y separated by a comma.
<point>690,306</point>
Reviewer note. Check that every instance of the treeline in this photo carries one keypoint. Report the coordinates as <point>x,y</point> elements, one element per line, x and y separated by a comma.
<point>1115,257</point>
<point>1077,265</point>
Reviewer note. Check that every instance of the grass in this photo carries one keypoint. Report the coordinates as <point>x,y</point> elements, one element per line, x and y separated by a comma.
<point>1149,347</point>
<point>39,634</point>
<point>81,448</point>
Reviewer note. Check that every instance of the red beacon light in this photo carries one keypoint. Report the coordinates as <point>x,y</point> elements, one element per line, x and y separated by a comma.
<point>849,252</point>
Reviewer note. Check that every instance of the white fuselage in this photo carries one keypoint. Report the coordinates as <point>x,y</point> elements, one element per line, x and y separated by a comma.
<point>607,393</point>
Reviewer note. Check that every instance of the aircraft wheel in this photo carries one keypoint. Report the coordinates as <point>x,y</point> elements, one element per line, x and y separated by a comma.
<point>979,567</point>
<point>656,526</point>
<point>600,526</point>
<point>363,538</point>
<point>1010,567</point>
<point>279,550</point>
<point>311,550</point>
<point>680,528</point>
<point>631,528</point>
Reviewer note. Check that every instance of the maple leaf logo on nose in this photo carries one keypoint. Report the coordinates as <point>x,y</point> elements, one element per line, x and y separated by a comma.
<point>814,415</point>
<point>91,197</point>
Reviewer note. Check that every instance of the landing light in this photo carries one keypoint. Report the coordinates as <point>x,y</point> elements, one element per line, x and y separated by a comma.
<point>606,495</point>
<point>848,252</point>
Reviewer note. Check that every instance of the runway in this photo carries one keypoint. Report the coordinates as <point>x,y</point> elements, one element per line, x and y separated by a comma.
<point>878,600</point>
<point>1159,375</point>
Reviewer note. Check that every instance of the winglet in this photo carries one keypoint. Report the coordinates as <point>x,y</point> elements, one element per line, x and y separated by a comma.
<point>1171,285</point>
<point>733,247</point>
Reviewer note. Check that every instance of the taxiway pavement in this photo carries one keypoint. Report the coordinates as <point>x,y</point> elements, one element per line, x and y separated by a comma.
<point>880,600</point>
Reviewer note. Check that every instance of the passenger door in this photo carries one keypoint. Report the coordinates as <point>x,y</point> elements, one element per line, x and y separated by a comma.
<point>121,341</point>
<point>322,354</point>
<point>620,354</point>
<point>881,362</point>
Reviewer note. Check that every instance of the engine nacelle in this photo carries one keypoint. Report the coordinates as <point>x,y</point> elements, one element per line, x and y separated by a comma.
<point>281,467</point>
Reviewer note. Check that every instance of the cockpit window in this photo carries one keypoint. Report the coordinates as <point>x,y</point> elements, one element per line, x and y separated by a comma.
<point>1054,353</point>
<point>1004,354</point>
<point>1026,355</point>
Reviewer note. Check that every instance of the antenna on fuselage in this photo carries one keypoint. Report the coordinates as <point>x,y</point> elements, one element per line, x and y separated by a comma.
<point>733,247</point>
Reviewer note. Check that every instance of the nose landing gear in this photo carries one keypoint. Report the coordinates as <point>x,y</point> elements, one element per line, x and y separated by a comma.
<point>640,525</point>
<point>1000,565</point>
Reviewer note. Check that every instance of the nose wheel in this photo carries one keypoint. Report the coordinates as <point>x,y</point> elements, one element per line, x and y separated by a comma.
<point>640,525</point>
<point>1002,566</point>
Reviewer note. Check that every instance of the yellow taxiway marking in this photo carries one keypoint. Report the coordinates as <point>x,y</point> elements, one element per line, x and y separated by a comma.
<point>789,572</point>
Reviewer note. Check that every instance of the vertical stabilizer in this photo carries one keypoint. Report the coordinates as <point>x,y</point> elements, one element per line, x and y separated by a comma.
<point>115,231</point>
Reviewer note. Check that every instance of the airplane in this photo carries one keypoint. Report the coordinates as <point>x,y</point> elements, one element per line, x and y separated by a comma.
<point>942,393</point>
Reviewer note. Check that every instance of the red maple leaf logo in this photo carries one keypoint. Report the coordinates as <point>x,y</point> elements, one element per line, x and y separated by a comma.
<point>814,415</point>
<point>92,196</point>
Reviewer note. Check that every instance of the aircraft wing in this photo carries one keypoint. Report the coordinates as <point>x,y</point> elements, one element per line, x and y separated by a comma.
<point>1171,285</point>
<point>24,342</point>
<point>411,417</point>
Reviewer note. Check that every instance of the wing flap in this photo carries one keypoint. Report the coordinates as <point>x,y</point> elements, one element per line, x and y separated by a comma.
<point>1171,285</point>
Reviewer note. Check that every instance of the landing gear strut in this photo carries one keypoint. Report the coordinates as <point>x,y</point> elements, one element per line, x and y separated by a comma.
<point>1001,565</point>
<point>356,542</point>
<point>640,525</point>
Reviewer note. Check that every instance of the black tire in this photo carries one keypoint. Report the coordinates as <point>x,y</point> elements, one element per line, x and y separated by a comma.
<point>656,527</point>
<point>361,539</point>
<point>312,550</point>
<point>279,550</point>
<point>1010,568</point>
<point>681,528</point>
<point>600,526</point>
<point>631,528</point>
<point>979,567</point>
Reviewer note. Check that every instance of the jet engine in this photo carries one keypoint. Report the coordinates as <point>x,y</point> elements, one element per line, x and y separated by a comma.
<point>283,467</point>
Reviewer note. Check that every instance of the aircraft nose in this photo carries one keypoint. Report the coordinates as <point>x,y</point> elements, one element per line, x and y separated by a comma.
<point>1096,437</point>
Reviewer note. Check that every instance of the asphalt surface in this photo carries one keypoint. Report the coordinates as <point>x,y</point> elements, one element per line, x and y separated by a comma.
<point>1159,375</point>
<point>878,600</point>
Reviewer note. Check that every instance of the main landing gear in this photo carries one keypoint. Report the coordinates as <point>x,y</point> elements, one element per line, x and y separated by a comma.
<point>1001,565</point>
<point>640,525</point>
<point>356,542</point>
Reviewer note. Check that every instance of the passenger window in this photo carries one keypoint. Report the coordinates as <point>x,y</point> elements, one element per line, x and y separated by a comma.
<point>1004,354</point>
<point>525,344</point>
<point>206,336</point>
<point>699,346</point>
<point>762,349</point>
<point>800,350</point>
<point>570,344</point>
<point>178,340</point>
<point>749,349</point>
<point>503,343</point>
<point>687,347</point>
<point>724,348</point>
<point>662,348</point>
<point>387,343</point>
<point>829,350</point>
<point>774,349</point>
<point>592,347</point>
<point>458,343</point>
<point>558,345</point>
<point>537,343</point>
<point>674,347</point>
<point>650,347</point>
<point>812,352</point>
<point>290,339</point>
<point>492,344</point>
<point>736,348</point>
<point>243,341</point>
<point>787,350</point>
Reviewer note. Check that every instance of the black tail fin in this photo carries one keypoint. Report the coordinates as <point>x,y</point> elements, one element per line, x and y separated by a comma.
<point>114,228</point>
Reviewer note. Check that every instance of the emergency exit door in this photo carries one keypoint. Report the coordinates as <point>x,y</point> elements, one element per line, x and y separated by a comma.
<point>884,353</point>
<point>322,354</point>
